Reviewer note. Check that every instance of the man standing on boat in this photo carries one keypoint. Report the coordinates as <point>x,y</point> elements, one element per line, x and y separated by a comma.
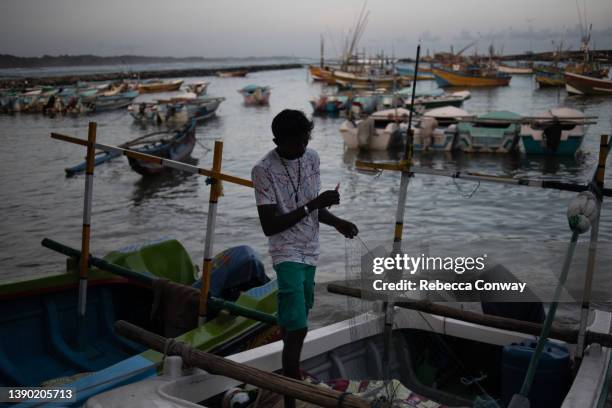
<point>287,183</point>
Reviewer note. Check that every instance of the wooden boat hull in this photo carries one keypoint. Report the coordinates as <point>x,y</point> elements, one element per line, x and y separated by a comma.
<point>160,86</point>
<point>353,81</point>
<point>446,78</point>
<point>321,74</point>
<point>506,69</point>
<point>584,85</point>
<point>254,96</point>
<point>232,74</point>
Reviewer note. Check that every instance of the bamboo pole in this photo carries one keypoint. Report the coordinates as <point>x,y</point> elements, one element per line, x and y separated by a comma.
<point>158,160</point>
<point>588,281</point>
<point>221,366</point>
<point>486,178</point>
<point>502,323</point>
<point>147,280</point>
<point>215,192</point>
<point>86,231</point>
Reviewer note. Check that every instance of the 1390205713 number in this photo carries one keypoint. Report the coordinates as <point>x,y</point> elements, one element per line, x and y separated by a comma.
<point>43,394</point>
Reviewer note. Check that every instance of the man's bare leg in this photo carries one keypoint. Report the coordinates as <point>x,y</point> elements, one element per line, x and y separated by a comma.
<point>292,349</point>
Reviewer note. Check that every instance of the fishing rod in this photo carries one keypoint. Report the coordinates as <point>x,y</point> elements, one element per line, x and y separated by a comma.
<point>486,178</point>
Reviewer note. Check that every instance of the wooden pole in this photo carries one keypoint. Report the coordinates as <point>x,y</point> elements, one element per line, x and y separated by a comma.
<point>588,280</point>
<point>399,218</point>
<point>215,192</point>
<point>166,163</point>
<point>503,323</point>
<point>221,366</point>
<point>84,260</point>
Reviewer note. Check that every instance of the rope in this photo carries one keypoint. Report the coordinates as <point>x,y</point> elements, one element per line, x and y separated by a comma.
<point>168,346</point>
<point>461,192</point>
<point>341,398</point>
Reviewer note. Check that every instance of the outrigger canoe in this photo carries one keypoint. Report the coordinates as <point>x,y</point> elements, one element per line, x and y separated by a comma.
<point>42,345</point>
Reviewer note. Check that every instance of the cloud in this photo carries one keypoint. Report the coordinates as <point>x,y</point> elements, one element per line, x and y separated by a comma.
<point>427,37</point>
<point>464,35</point>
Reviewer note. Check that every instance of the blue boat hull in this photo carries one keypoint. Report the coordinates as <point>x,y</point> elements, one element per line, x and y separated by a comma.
<point>567,147</point>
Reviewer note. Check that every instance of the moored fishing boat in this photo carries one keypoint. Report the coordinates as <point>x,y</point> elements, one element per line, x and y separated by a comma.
<point>587,85</point>
<point>50,349</point>
<point>549,76</point>
<point>198,88</point>
<point>255,94</point>
<point>515,70</point>
<point>155,85</point>
<point>365,81</point>
<point>558,131</point>
<point>175,145</point>
<point>330,104</point>
<point>408,71</point>
<point>425,100</point>
<point>437,129</point>
<point>469,76</point>
<point>105,103</point>
<point>380,131</point>
<point>494,132</point>
<point>175,111</point>
<point>324,74</point>
<point>237,73</point>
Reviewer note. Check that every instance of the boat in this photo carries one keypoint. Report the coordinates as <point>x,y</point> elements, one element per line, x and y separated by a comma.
<point>437,129</point>
<point>175,111</point>
<point>198,88</point>
<point>549,76</point>
<point>155,85</point>
<point>429,366</point>
<point>323,74</point>
<point>380,131</point>
<point>514,70</point>
<point>494,132</point>
<point>365,104</point>
<point>105,103</point>
<point>47,348</point>
<point>255,94</point>
<point>408,71</point>
<point>365,81</point>
<point>330,104</point>
<point>174,145</point>
<point>237,73</point>
<point>425,100</point>
<point>578,84</point>
<point>559,131</point>
<point>472,75</point>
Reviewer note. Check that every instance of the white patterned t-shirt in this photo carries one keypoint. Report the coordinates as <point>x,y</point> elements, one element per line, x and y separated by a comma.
<point>275,180</point>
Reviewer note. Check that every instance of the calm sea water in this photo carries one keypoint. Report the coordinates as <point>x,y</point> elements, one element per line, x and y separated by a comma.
<point>38,201</point>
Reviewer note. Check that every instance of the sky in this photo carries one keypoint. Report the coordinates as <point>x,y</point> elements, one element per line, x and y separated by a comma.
<point>237,28</point>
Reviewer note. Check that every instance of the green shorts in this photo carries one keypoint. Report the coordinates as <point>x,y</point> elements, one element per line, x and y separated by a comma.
<point>295,294</point>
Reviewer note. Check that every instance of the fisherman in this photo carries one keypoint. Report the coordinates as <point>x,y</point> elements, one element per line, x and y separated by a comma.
<point>287,183</point>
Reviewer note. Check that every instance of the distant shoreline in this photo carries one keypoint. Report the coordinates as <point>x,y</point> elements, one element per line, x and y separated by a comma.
<point>26,82</point>
<point>46,61</point>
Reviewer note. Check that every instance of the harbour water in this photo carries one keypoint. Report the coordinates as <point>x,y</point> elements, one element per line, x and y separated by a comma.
<point>38,201</point>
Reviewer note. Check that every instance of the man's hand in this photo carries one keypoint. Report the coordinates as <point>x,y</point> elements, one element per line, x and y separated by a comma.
<point>325,199</point>
<point>346,228</point>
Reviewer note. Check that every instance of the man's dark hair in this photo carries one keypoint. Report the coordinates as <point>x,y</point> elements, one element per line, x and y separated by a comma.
<point>291,123</point>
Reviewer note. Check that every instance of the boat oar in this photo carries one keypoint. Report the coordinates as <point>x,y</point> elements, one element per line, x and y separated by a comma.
<point>148,280</point>
<point>217,365</point>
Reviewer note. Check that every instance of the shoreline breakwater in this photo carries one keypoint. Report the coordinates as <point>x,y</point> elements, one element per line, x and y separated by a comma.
<point>26,82</point>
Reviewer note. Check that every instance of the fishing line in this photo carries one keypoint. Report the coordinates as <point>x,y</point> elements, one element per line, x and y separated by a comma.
<point>462,193</point>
